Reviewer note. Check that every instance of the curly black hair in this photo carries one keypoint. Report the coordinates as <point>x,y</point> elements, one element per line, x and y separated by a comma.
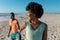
<point>35,8</point>
<point>12,14</point>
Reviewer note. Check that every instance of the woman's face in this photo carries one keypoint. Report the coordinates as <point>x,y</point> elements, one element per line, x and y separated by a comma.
<point>11,16</point>
<point>30,16</point>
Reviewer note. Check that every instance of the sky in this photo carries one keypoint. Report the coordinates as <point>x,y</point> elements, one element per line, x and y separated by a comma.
<point>18,6</point>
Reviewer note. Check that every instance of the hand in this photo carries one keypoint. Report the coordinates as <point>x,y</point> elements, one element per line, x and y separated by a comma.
<point>18,30</point>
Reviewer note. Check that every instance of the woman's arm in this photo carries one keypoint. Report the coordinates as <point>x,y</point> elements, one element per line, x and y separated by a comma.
<point>23,26</point>
<point>18,25</point>
<point>9,31</point>
<point>45,33</point>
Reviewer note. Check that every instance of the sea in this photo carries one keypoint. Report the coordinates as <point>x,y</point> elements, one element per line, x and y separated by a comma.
<point>6,16</point>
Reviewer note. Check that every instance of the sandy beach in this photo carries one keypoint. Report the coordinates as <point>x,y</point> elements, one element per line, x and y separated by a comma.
<point>52,20</point>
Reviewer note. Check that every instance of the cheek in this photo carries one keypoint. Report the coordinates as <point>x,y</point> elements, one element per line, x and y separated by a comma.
<point>10,17</point>
<point>30,18</point>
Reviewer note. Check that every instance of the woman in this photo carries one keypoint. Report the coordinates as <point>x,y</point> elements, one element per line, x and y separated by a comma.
<point>14,31</point>
<point>35,29</point>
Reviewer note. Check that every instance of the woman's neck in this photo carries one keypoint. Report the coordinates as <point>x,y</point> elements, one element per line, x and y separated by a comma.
<point>13,19</point>
<point>35,23</point>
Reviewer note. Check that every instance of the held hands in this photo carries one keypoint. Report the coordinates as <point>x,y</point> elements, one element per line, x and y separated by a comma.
<point>18,30</point>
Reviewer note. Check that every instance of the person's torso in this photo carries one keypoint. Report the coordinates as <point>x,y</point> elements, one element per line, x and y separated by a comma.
<point>34,34</point>
<point>13,25</point>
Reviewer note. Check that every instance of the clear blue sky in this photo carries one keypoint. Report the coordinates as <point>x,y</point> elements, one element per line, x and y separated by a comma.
<point>18,6</point>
